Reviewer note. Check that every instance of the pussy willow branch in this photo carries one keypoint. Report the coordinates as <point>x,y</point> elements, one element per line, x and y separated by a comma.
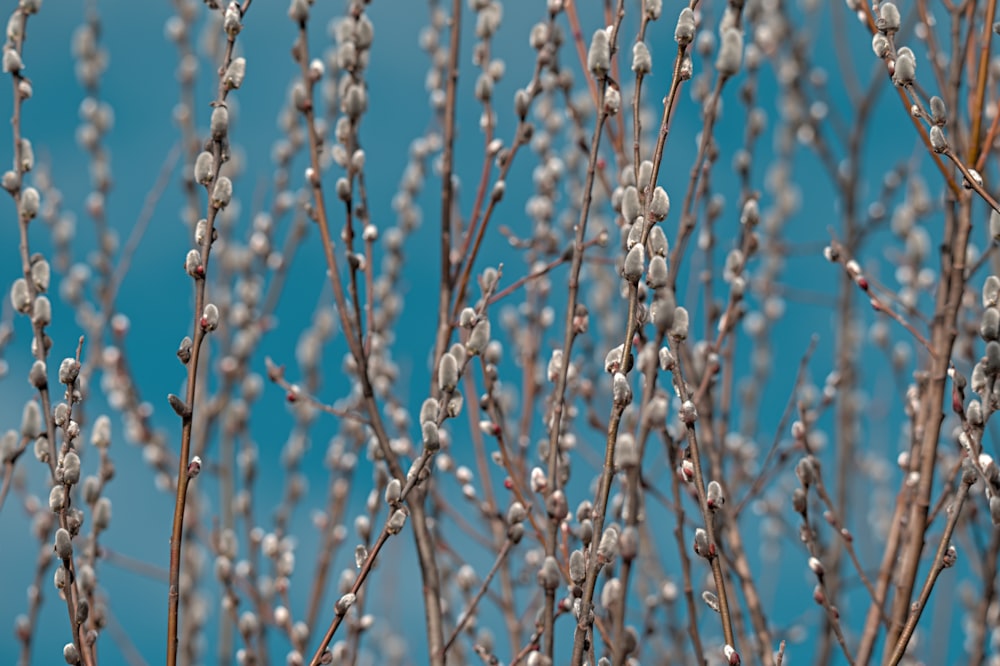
<point>982,73</point>
<point>936,568</point>
<point>569,335</point>
<point>471,608</point>
<point>447,191</point>
<point>198,336</point>
<point>699,482</point>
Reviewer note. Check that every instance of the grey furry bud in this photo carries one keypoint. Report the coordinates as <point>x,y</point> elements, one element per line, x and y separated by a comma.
<point>577,567</point>
<point>621,391</point>
<point>679,329</point>
<point>599,55</point>
<point>448,373</point>
<point>607,549</point>
<point>889,18</point>
<point>102,513</point>
<point>701,543</point>
<point>57,498</point>
<point>516,513</point>
<point>41,311</point>
<point>204,168</point>
<point>393,491</point>
<point>219,124</point>
<point>684,32</point>
<point>355,101</point>
<point>233,78</point>
<point>989,327</point>
<point>38,375</point>
<point>905,68</point>
<point>12,60</point>
<point>939,142</point>
<point>634,264</point>
<point>657,275</point>
<point>20,296</point>
<point>642,62</point>
<point>880,45</point>
<point>41,273</point>
<point>31,201</point>
<point>659,207</point>
<point>548,575</point>
<point>63,544</point>
<point>714,496</point>
<point>730,53</point>
<point>939,112</point>
<point>193,265</point>
<point>222,194</point>
<point>657,242</point>
<point>69,370</point>
<point>479,338</point>
<point>210,317</point>
<point>991,287</point>
<point>344,603</point>
<point>631,207</point>
<point>396,522</point>
<point>431,436</point>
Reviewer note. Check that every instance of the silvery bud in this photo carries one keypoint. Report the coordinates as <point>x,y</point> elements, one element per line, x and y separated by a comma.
<point>659,207</point>
<point>939,112</point>
<point>657,275</point>
<point>204,168</point>
<point>57,498</point>
<point>634,264</point>
<point>621,391</point>
<point>393,491</point>
<point>657,242</point>
<point>210,317</point>
<point>41,273</point>
<point>607,549</point>
<point>69,370</point>
<point>232,19</point>
<point>599,55</point>
<point>714,496</point>
<point>684,32</point>
<point>889,18</point>
<point>219,124</point>
<point>642,62</point>
<point>31,201</point>
<point>905,68</point>
<point>631,207</point>
<point>38,375</point>
<point>20,296</point>
<point>41,311</point>
<point>12,60</point>
<point>102,513</point>
<point>679,328</point>
<point>233,77</point>
<point>193,265</point>
<point>448,373</point>
<point>548,575</point>
<point>730,53</point>
<point>396,522</point>
<point>479,338</point>
<point>939,142</point>
<point>222,194</point>
<point>577,567</point>
<point>991,287</point>
<point>63,544</point>
<point>344,603</point>
<point>431,436</point>
<point>516,513</point>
